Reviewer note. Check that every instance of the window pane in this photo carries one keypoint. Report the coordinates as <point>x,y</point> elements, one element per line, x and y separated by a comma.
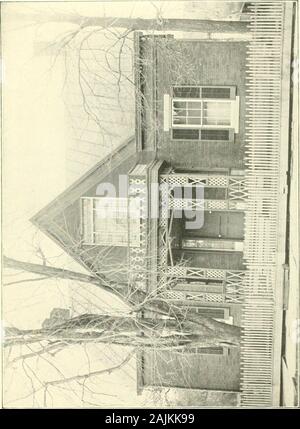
<point>215,135</point>
<point>215,193</point>
<point>186,134</point>
<point>179,104</point>
<point>194,104</point>
<point>194,121</point>
<point>194,113</point>
<point>106,221</point>
<point>186,91</point>
<point>215,313</point>
<point>215,92</point>
<point>179,120</point>
<point>223,122</point>
<point>179,112</point>
<point>216,113</point>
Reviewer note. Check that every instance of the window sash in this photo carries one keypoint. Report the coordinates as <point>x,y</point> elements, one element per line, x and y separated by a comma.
<point>204,91</point>
<point>105,222</point>
<point>201,113</point>
<point>203,134</point>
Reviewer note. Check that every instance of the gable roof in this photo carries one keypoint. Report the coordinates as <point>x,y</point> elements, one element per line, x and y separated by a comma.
<point>44,219</point>
<point>80,186</point>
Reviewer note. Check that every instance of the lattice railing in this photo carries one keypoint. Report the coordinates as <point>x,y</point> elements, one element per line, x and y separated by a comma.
<point>138,255</point>
<point>175,295</point>
<point>178,271</point>
<point>235,185</point>
<point>236,201</point>
<point>233,281</point>
<point>192,179</point>
<point>163,234</point>
<point>237,189</point>
<point>263,102</point>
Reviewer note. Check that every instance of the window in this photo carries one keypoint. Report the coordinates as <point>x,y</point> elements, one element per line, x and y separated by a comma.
<point>105,222</point>
<point>201,113</point>
<point>204,113</point>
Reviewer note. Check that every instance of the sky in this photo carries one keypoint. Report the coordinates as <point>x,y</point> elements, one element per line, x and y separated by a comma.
<point>37,135</point>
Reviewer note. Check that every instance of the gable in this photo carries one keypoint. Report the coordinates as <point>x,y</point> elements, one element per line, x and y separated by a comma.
<point>61,218</point>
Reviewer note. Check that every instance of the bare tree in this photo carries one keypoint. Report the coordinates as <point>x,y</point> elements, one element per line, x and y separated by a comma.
<point>152,322</point>
<point>204,330</point>
<point>159,23</point>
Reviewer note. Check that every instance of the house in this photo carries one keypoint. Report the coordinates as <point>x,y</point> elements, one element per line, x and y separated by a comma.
<point>209,281</point>
<point>131,212</point>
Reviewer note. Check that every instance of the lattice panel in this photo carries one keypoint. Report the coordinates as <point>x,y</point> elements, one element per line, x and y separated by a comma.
<point>217,181</point>
<point>185,296</point>
<point>234,293</point>
<point>177,180</point>
<point>201,273</point>
<point>234,283</point>
<point>216,204</point>
<point>196,179</point>
<point>205,297</point>
<point>215,274</point>
<point>163,230</point>
<point>186,204</point>
<point>189,204</point>
<point>195,273</point>
<point>138,261</point>
<point>176,271</point>
<point>173,295</point>
<point>237,189</point>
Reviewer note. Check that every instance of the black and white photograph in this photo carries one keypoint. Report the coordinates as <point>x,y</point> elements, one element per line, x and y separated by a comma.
<point>150,205</point>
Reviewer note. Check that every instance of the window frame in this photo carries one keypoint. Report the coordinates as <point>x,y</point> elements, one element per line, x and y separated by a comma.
<point>201,101</point>
<point>234,117</point>
<point>199,139</point>
<point>94,233</point>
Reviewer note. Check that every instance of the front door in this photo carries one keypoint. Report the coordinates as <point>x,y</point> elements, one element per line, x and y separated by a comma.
<point>220,231</point>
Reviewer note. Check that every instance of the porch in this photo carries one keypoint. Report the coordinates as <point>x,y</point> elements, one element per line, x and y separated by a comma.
<point>205,263</point>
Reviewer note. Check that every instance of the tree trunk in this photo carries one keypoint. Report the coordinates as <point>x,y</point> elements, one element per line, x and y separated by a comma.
<point>135,298</point>
<point>167,24</point>
<point>161,24</point>
<point>122,330</point>
<point>47,271</point>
